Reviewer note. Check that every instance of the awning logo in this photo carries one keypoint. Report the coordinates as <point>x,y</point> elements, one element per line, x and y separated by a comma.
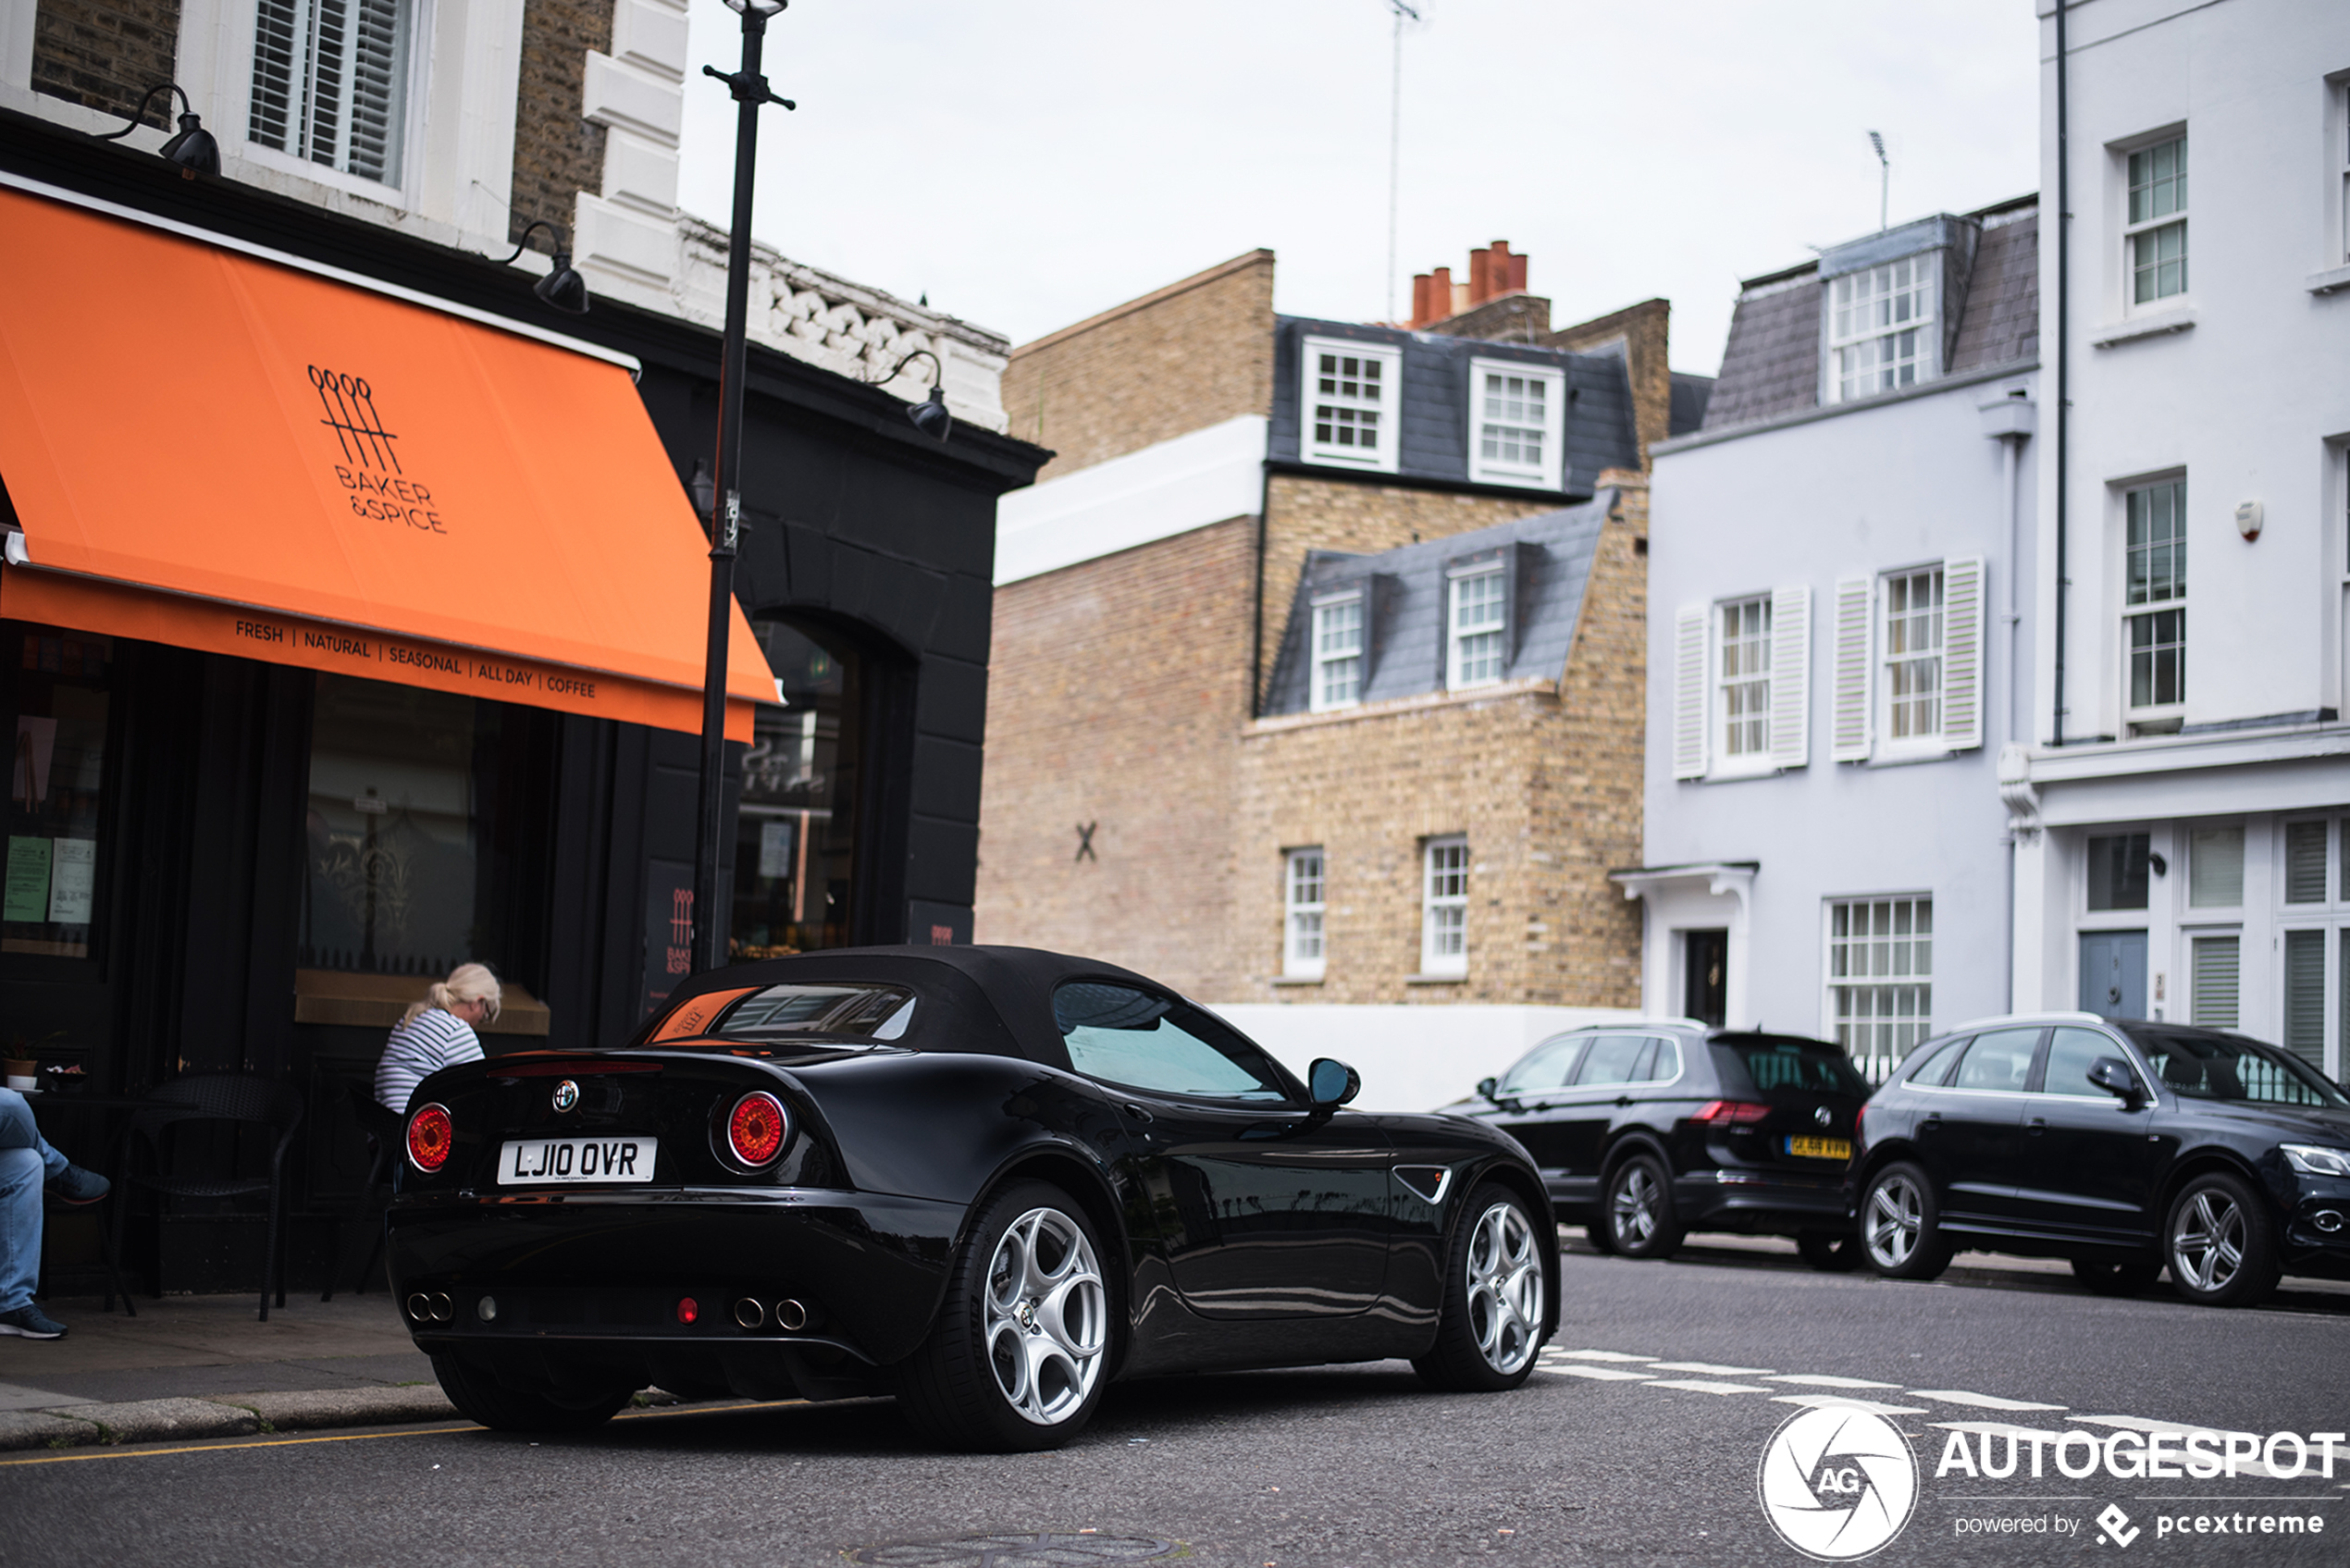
<point>1836,1484</point>
<point>380,488</point>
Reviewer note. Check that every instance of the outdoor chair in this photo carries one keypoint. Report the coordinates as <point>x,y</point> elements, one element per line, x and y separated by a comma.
<point>155,1133</point>
<point>384,1127</point>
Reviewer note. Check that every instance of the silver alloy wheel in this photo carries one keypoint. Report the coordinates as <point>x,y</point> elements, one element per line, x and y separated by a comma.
<point>1633,1209</point>
<point>1047,1318</point>
<point>1505,1288</point>
<point>1895,1221</point>
<point>2206,1242</point>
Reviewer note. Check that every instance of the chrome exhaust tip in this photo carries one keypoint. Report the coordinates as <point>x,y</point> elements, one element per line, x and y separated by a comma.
<point>420,1307</point>
<point>442,1308</point>
<point>2327,1220</point>
<point>749,1313</point>
<point>790,1316</point>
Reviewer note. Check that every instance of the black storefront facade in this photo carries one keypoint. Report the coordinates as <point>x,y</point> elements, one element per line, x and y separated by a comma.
<point>234,907</point>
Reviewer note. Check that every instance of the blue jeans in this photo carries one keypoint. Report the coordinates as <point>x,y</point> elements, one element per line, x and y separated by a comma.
<point>27,1164</point>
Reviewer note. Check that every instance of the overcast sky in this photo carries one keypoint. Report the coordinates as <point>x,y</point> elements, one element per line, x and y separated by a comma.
<point>1027,163</point>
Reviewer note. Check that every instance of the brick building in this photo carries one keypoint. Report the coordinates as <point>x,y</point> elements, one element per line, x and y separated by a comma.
<point>1318,652</point>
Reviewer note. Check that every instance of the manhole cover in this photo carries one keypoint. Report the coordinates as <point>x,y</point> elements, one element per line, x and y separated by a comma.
<point>1043,1548</point>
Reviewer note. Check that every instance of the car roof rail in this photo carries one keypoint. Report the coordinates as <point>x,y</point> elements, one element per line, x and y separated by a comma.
<point>2051,1014</point>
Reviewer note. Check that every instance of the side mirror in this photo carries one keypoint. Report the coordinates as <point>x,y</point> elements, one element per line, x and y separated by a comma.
<point>1485,1087</point>
<point>1333,1083</point>
<point>2113,1075</point>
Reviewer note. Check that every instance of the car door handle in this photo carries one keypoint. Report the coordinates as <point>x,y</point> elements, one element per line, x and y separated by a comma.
<point>1139,1114</point>
<point>2036,1125</point>
<point>1624,1099</point>
<point>1930,1123</point>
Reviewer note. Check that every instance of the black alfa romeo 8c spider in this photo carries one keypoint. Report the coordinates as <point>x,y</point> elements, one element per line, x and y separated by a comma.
<point>986,1180</point>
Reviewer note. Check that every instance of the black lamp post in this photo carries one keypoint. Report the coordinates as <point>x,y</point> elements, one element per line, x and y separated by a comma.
<point>751,92</point>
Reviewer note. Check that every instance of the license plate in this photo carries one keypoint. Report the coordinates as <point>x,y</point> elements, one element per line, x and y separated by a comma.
<point>1818,1148</point>
<point>537,1162</point>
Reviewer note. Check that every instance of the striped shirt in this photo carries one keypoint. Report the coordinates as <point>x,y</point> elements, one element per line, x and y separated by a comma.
<point>417,1049</point>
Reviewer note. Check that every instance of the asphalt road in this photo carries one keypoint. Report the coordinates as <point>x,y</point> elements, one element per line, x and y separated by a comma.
<point>1639,1441</point>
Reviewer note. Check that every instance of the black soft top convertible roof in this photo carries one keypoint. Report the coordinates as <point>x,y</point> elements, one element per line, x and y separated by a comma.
<point>995,1001</point>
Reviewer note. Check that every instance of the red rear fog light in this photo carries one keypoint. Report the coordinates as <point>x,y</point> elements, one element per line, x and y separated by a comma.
<point>756,1127</point>
<point>429,1138</point>
<point>688,1309</point>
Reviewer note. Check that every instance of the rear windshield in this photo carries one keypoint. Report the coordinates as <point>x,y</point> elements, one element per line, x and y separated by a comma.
<point>845,1010</point>
<point>1810,1067</point>
<point>2211,1067</point>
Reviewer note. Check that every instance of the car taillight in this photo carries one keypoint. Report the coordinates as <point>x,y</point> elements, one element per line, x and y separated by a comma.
<point>430,1138</point>
<point>1730,1111</point>
<point>756,1127</point>
<point>1858,1116</point>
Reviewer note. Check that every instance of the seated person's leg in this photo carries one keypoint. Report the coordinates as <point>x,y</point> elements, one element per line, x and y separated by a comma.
<point>18,1130</point>
<point>20,1181</point>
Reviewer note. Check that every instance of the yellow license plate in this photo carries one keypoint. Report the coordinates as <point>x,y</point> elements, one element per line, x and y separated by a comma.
<point>1818,1148</point>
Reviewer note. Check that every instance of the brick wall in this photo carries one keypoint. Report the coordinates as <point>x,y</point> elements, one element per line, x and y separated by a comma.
<point>1545,785</point>
<point>1192,355</point>
<point>557,154</point>
<point>1645,331</point>
<point>105,53</point>
<point>1115,690</point>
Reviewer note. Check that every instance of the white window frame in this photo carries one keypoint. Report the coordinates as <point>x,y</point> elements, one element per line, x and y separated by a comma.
<point>1549,474</point>
<point>1387,405</point>
<point>1730,761</point>
<point>2193,1011</point>
<point>2132,230</point>
<point>1881,1035</point>
<point>301,97</point>
<point>1304,903</point>
<point>1323,659</point>
<point>1456,635</point>
<point>2338,166</point>
<point>1918,742</point>
<point>1920,295</point>
<point>1444,877</point>
<point>2155,717</point>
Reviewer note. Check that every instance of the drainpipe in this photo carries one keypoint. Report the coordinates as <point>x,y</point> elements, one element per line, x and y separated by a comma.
<point>2063,358</point>
<point>2008,421</point>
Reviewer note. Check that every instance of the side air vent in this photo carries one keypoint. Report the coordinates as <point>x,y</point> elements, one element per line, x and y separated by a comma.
<point>1426,1182</point>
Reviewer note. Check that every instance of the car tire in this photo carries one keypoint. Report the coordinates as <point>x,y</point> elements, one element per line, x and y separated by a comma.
<point>2116,1277</point>
<point>2221,1243</point>
<point>1638,1209</point>
<point>1902,1224</point>
<point>1019,1356</point>
<point>1495,1283</point>
<point>1830,1252</point>
<point>480,1398</point>
<point>1596,1233</point>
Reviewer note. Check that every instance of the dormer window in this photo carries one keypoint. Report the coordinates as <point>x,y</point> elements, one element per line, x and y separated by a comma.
<point>1337,650</point>
<point>1476,621</point>
<point>1517,424</point>
<point>1881,332</point>
<point>1353,392</point>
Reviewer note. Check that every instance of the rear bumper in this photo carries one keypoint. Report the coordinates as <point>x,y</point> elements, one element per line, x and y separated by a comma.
<point>1764,1201</point>
<point>589,1283</point>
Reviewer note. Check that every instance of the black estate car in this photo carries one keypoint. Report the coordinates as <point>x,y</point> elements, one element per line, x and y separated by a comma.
<point>989,1180</point>
<point>2126,1147</point>
<point>1644,1132</point>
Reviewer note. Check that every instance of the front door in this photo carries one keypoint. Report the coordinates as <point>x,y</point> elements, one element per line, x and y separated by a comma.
<point>2113,973</point>
<point>2089,1166</point>
<point>1705,976</point>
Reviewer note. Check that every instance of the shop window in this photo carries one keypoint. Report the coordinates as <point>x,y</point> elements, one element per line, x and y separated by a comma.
<point>59,687</point>
<point>2117,870</point>
<point>797,833</point>
<point>396,831</point>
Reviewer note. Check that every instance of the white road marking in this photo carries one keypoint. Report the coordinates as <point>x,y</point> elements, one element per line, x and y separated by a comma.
<point>1981,1402</point>
<point>1601,1374</point>
<point>1707,1385</point>
<point>1711,1368</point>
<point>1846,1402</point>
<point>1597,1356</point>
<point>1822,1380</point>
<point>1998,1429</point>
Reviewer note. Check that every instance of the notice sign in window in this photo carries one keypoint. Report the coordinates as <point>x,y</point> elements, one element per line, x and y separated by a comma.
<point>73,866</point>
<point>28,894</point>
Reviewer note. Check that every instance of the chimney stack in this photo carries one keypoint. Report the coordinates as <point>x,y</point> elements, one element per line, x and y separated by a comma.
<point>1492,272</point>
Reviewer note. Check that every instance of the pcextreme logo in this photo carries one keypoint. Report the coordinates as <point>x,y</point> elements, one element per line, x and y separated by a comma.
<point>1836,1484</point>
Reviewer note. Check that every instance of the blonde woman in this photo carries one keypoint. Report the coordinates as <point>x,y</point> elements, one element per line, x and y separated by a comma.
<point>436,1032</point>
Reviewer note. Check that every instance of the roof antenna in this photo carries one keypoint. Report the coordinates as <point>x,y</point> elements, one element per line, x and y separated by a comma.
<point>1885,182</point>
<point>1395,145</point>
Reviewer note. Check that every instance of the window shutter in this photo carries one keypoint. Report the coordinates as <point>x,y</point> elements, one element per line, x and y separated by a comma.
<point>1688,692</point>
<point>1849,725</point>
<point>1791,677</point>
<point>1962,653</point>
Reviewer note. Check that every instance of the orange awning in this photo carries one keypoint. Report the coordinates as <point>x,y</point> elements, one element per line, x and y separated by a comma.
<point>213,451</point>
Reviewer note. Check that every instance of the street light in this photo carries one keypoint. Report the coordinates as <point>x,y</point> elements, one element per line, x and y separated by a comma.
<point>751,92</point>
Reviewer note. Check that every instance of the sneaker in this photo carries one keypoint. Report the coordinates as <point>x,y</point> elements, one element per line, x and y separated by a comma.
<point>30,1322</point>
<point>79,1186</point>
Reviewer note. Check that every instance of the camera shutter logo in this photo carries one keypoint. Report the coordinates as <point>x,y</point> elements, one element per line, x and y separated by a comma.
<point>566,1094</point>
<point>1837,1483</point>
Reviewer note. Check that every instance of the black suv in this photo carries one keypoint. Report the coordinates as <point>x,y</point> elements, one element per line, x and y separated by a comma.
<point>2126,1147</point>
<point>1644,1132</point>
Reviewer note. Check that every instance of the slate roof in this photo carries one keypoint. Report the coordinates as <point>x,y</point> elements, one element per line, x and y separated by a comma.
<point>1434,441</point>
<point>1548,558</point>
<point>1771,364</point>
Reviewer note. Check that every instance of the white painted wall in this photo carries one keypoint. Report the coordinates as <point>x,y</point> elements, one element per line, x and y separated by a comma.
<point>1805,503</point>
<point>1410,1058</point>
<point>1170,487</point>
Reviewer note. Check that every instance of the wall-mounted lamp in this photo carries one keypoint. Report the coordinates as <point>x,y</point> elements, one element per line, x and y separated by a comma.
<point>930,416</point>
<point>2159,866</point>
<point>703,489</point>
<point>563,287</point>
<point>192,150</point>
<point>2248,520</point>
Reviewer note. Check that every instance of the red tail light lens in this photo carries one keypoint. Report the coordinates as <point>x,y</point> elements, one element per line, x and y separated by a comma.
<point>689,1309</point>
<point>430,1138</point>
<point>756,1129</point>
<point>1730,1111</point>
